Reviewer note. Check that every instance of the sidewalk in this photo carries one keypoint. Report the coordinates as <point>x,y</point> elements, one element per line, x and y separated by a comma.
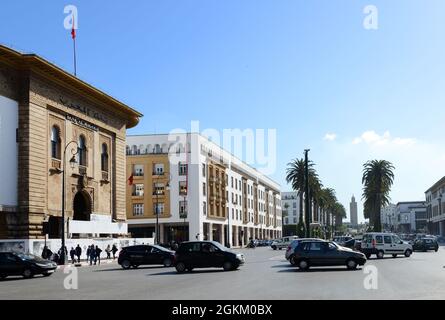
<point>85,263</point>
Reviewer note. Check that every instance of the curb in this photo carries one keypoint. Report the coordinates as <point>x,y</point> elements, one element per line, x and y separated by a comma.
<point>86,264</point>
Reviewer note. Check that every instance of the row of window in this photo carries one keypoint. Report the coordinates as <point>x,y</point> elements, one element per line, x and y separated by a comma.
<point>158,169</point>
<point>158,189</point>
<point>82,151</point>
<point>158,208</point>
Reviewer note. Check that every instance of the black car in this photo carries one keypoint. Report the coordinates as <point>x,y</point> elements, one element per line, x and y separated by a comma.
<point>326,253</point>
<point>353,244</point>
<point>26,265</point>
<point>134,256</point>
<point>425,244</point>
<point>206,254</point>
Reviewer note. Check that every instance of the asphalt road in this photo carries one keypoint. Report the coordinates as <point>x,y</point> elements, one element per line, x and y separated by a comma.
<point>266,275</point>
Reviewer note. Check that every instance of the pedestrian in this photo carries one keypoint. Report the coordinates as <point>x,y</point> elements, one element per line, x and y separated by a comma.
<point>108,251</point>
<point>114,250</point>
<point>72,255</point>
<point>46,253</point>
<point>78,253</point>
<point>97,258</point>
<point>88,253</point>
<point>92,255</point>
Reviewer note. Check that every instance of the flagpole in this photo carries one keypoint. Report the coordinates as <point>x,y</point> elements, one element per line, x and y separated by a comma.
<point>75,60</point>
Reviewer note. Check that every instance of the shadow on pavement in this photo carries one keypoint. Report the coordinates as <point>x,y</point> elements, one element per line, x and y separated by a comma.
<point>195,271</point>
<point>315,269</point>
<point>133,269</point>
<point>287,265</point>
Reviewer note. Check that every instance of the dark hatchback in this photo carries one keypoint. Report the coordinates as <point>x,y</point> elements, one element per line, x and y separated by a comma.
<point>206,254</point>
<point>326,253</point>
<point>425,244</point>
<point>26,265</point>
<point>134,256</point>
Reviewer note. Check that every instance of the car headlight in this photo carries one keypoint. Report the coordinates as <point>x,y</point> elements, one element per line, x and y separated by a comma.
<point>239,256</point>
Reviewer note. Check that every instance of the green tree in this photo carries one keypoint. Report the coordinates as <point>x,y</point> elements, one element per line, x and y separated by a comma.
<point>296,176</point>
<point>377,180</point>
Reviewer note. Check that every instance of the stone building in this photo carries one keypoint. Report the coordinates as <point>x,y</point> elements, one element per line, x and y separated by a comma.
<point>44,111</point>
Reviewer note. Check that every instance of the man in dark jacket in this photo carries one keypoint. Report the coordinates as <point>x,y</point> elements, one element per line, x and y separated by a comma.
<point>72,255</point>
<point>88,253</point>
<point>78,253</point>
<point>114,250</point>
<point>97,251</point>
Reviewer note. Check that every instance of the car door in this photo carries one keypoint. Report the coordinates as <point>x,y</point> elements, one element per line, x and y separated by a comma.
<point>150,255</point>
<point>388,244</point>
<point>398,245</point>
<point>137,254</point>
<point>317,253</point>
<point>379,244</point>
<point>217,257</point>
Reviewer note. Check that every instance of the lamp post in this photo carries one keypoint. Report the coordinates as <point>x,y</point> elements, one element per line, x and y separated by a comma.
<point>72,164</point>
<point>306,184</point>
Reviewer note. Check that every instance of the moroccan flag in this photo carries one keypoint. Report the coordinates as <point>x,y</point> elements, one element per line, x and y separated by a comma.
<point>130,180</point>
<point>73,30</point>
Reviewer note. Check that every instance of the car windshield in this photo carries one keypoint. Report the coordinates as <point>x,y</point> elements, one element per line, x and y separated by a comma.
<point>160,248</point>
<point>219,246</point>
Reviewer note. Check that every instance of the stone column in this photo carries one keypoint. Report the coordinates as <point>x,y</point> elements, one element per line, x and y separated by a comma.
<point>210,231</point>
<point>223,234</point>
<point>236,244</point>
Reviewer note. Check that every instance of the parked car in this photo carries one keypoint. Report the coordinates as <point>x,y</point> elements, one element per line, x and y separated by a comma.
<point>353,244</point>
<point>282,242</point>
<point>289,255</point>
<point>134,256</point>
<point>425,244</point>
<point>326,253</point>
<point>380,244</point>
<point>26,265</point>
<point>206,254</point>
<point>341,240</point>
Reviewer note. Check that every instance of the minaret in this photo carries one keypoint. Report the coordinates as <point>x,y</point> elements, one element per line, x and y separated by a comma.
<point>353,211</point>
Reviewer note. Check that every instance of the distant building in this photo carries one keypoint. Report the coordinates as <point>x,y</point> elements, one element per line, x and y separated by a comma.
<point>388,216</point>
<point>353,212</point>
<point>436,208</point>
<point>410,217</point>
<point>290,206</point>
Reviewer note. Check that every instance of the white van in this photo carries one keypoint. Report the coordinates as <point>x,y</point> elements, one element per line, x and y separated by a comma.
<point>283,242</point>
<point>380,243</point>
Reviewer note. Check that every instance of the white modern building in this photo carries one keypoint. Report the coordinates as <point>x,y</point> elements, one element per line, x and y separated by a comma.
<point>388,216</point>
<point>435,203</point>
<point>290,205</point>
<point>186,187</point>
<point>410,217</point>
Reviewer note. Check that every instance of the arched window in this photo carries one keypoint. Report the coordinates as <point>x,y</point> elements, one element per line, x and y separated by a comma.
<point>104,157</point>
<point>158,148</point>
<point>82,152</point>
<point>55,142</point>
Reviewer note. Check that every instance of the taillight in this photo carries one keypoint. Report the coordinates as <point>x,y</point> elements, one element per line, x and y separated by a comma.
<point>373,243</point>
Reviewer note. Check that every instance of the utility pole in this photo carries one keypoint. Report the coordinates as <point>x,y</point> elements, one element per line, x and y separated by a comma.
<point>306,185</point>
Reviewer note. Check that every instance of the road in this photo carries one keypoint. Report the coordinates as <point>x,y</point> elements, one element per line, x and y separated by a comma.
<point>266,275</point>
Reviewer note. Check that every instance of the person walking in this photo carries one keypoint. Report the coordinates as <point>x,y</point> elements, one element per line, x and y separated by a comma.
<point>46,253</point>
<point>78,253</point>
<point>108,251</point>
<point>97,257</point>
<point>92,255</point>
<point>88,253</point>
<point>72,255</point>
<point>114,250</point>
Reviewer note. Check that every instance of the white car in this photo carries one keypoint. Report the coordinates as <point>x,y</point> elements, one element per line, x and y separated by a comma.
<point>381,244</point>
<point>282,243</point>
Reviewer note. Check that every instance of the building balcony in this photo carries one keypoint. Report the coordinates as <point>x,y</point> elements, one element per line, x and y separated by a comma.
<point>105,176</point>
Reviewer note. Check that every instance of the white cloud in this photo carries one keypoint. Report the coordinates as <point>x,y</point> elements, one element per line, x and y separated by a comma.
<point>330,136</point>
<point>374,139</point>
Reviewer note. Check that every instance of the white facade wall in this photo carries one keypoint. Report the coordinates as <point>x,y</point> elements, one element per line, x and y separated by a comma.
<point>8,160</point>
<point>199,146</point>
<point>293,201</point>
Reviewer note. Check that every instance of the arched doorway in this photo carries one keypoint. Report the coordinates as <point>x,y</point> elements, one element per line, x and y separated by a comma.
<point>82,206</point>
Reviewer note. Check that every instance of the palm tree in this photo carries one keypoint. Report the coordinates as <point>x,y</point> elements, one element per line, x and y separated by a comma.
<point>326,201</point>
<point>295,176</point>
<point>339,213</point>
<point>314,193</point>
<point>378,177</point>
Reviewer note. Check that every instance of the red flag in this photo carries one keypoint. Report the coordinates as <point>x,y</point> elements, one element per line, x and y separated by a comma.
<point>73,30</point>
<point>130,180</point>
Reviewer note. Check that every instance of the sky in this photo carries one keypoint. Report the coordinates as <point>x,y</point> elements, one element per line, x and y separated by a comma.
<point>308,69</point>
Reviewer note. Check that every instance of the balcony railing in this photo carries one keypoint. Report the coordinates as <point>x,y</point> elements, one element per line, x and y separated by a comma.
<point>82,170</point>
<point>158,173</point>
<point>104,176</point>
<point>56,164</point>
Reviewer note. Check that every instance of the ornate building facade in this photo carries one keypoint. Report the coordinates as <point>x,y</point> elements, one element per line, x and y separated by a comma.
<point>48,118</point>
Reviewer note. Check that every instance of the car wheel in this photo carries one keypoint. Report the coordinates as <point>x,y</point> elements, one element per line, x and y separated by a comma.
<point>408,253</point>
<point>394,255</point>
<point>274,247</point>
<point>368,255</point>
<point>303,265</point>
<point>380,254</point>
<point>27,273</point>
<point>293,260</point>
<point>167,262</point>
<point>180,267</point>
<point>126,264</point>
<point>437,249</point>
<point>227,266</point>
<point>351,264</point>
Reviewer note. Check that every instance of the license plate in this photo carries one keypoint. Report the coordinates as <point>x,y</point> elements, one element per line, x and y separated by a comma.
<point>49,271</point>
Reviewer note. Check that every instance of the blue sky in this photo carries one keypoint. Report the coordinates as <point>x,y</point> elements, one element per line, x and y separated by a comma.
<point>304,68</point>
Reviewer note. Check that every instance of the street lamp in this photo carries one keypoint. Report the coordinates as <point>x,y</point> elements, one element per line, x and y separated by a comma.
<point>72,165</point>
<point>306,184</point>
